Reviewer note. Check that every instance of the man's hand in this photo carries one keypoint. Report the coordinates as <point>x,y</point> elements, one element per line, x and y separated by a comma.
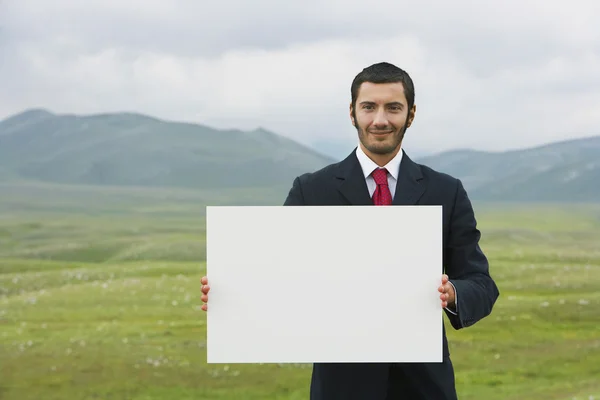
<point>447,293</point>
<point>204,289</point>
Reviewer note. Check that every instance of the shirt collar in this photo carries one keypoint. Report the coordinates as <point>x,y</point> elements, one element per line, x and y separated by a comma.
<point>369,165</point>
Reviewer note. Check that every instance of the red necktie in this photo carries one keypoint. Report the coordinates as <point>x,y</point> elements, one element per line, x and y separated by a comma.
<point>382,195</point>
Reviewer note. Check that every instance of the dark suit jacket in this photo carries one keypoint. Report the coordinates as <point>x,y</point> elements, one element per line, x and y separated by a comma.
<point>465,264</point>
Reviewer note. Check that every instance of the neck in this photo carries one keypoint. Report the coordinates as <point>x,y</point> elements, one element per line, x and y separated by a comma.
<point>381,159</point>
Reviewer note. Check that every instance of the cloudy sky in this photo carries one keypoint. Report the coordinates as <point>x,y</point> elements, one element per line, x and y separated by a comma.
<point>489,75</point>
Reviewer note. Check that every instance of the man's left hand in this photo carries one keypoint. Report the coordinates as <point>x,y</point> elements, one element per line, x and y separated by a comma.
<point>447,293</point>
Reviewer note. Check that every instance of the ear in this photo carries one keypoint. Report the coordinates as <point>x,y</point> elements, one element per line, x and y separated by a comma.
<point>351,116</point>
<point>411,115</point>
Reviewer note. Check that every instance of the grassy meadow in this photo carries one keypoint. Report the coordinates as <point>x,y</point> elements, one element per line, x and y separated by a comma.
<point>99,299</point>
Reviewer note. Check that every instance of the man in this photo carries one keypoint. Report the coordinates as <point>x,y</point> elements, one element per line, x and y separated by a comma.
<point>380,173</point>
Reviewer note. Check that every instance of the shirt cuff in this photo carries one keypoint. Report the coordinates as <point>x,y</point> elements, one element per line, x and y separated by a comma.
<point>455,301</point>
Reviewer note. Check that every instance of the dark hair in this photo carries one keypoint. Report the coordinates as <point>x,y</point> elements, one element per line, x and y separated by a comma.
<point>384,73</point>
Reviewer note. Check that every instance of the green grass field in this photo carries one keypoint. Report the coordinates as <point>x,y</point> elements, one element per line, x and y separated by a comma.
<point>99,299</point>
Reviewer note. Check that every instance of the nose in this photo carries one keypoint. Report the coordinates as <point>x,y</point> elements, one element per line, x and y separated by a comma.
<point>380,120</point>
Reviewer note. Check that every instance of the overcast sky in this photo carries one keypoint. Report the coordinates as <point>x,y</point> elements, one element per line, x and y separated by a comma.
<point>489,75</point>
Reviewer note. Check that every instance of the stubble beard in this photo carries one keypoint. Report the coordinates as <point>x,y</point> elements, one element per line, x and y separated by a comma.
<point>382,147</point>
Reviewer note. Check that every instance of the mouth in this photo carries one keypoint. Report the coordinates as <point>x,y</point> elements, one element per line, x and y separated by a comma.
<point>380,133</point>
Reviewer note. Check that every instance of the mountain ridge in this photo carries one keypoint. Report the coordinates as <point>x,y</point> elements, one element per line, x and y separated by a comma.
<point>135,149</point>
<point>567,170</point>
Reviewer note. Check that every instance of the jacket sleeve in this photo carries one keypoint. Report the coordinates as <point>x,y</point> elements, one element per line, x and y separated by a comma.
<point>295,196</point>
<point>467,266</point>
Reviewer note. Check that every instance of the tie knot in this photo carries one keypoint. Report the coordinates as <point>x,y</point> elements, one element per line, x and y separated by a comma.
<point>380,176</point>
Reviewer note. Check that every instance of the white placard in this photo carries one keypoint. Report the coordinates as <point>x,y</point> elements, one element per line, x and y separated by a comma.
<point>324,284</point>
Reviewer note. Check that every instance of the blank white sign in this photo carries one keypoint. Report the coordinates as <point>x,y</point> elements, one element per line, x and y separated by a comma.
<point>324,284</point>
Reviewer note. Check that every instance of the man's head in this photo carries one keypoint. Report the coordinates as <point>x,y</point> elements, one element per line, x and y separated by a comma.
<point>382,108</point>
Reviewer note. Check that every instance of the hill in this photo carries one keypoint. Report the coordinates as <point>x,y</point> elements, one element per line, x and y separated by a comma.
<point>563,171</point>
<point>126,149</point>
<point>134,150</point>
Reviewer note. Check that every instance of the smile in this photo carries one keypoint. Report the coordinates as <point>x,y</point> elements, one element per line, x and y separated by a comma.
<point>381,133</point>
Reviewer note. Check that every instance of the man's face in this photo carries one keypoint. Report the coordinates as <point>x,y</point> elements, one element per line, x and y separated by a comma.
<point>381,117</point>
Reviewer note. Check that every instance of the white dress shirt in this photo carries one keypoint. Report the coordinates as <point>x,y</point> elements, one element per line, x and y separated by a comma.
<point>368,166</point>
<point>393,168</point>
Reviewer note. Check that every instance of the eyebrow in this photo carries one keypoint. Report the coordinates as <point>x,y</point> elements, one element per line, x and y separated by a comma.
<point>393,103</point>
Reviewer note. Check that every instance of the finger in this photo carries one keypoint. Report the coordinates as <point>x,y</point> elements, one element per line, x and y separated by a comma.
<point>204,298</point>
<point>442,289</point>
<point>204,307</point>
<point>204,280</point>
<point>448,288</point>
<point>444,279</point>
<point>205,289</point>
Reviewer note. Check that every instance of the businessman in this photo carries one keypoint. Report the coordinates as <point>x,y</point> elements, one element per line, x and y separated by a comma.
<point>380,173</point>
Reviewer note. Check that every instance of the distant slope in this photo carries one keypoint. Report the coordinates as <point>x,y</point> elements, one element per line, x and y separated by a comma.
<point>125,149</point>
<point>562,171</point>
<point>137,150</point>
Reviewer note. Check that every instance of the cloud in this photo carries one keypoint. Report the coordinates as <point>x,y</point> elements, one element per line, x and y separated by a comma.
<point>488,76</point>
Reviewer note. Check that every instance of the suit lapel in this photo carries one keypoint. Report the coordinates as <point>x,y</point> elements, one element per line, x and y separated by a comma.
<point>410,186</point>
<point>352,184</point>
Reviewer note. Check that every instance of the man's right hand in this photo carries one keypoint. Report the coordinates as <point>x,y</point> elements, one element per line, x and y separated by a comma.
<point>204,289</point>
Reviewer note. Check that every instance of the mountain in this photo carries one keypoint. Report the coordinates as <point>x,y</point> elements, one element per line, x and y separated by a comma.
<point>127,149</point>
<point>336,149</point>
<point>561,171</point>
